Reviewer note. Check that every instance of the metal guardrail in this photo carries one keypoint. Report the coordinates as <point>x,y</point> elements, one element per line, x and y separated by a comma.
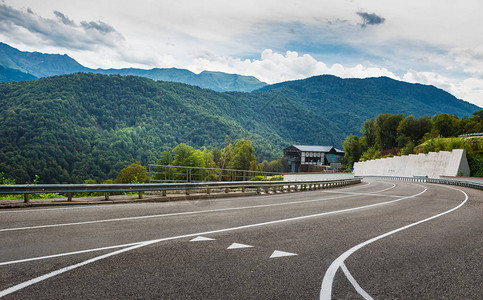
<point>70,189</point>
<point>168,173</point>
<point>470,184</point>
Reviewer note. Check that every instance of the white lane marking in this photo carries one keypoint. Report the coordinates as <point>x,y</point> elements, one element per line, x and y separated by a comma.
<point>238,246</point>
<point>63,270</point>
<point>278,253</point>
<point>326,288</point>
<point>201,239</point>
<point>185,213</point>
<point>70,208</point>
<point>235,228</point>
<point>145,243</point>
<point>354,283</point>
<point>67,253</point>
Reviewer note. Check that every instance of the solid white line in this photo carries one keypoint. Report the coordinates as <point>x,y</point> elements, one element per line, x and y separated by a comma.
<point>9,211</point>
<point>326,288</point>
<point>63,270</point>
<point>67,253</point>
<point>186,213</point>
<point>354,283</point>
<point>150,242</point>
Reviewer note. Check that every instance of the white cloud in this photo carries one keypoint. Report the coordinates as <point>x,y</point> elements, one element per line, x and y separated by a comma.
<point>469,89</point>
<point>24,26</point>
<point>275,67</point>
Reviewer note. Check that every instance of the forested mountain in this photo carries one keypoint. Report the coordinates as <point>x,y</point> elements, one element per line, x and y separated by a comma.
<point>75,127</point>
<point>363,96</point>
<point>18,65</point>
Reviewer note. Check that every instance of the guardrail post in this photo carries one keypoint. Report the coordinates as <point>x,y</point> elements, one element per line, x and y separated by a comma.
<point>243,189</point>
<point>26,198</point>
<point>187,192</point>
<point>106,196</point>
<point>208,191</point>
<point>70,196</point>
<point>140,194</point>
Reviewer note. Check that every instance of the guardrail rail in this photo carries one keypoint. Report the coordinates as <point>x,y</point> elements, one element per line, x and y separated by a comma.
<point>70,189</point>
<point>464,183</point>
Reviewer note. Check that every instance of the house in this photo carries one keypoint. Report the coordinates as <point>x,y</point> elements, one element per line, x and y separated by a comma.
<point>301,158</point>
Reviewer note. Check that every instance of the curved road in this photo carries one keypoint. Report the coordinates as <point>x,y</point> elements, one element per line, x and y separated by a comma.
<point>376,240</point>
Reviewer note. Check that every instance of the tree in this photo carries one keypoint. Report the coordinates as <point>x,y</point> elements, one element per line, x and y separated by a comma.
<point>133,173</point>
<point>187,156</point>
<point>352,149</point>
<point>166,158</point>
<point>368,131</point>
<point>471,125</point>
<point>386,130</point>
<point>447,125</point>
<point>412,129</point>
<point>243,155</point>
<point>479,113</point>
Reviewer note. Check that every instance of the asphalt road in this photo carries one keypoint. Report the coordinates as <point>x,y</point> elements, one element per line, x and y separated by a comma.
<point>378,239</point>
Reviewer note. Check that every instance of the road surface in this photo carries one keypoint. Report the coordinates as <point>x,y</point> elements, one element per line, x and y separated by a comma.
<point>379,239</point>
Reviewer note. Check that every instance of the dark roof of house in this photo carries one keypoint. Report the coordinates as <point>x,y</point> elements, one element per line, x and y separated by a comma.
<point>306,148</point>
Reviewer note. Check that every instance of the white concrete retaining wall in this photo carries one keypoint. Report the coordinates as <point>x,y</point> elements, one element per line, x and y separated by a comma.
<point>433,165</point>
<point>316,176</point>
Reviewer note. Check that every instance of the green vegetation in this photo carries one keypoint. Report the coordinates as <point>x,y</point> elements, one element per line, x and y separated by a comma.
<point>134,173</point>
<point>388,135</point>
<point>71,128</point>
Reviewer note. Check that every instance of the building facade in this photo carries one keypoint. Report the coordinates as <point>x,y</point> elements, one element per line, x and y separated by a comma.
<point>301,158</point>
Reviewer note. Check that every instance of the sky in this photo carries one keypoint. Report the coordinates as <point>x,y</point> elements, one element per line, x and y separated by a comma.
<point>437,42</point>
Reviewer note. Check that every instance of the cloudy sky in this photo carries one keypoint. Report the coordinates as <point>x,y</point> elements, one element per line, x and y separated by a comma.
<point>438,42</point>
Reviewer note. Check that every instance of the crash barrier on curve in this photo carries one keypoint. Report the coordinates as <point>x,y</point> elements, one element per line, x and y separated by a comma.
<point>475,184</point>
<point>259,186</point>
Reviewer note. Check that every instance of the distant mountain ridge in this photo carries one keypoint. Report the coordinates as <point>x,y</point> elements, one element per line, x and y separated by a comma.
<point>17,65</point>
<point>74,127</point>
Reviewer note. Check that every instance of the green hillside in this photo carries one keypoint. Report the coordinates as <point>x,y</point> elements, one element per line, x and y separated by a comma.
<point>75,127</point>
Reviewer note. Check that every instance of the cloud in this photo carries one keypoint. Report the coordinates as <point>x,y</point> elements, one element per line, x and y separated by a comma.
<point>62,18</point>
<point>98,26</point>
<point>29,28</point>
<point>370,19</point>
<point>470,59</point>
<point>275,67</point>
<point>468,89</point>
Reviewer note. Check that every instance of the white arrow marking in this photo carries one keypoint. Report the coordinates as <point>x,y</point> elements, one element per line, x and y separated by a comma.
<point>277,253</point>
<point>239,246</point>
<point>201,239</point>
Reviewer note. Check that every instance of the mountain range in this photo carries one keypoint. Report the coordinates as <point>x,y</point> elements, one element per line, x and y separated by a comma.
<point>70,128</point>
<point>73,127</point>
<point>16,65</point>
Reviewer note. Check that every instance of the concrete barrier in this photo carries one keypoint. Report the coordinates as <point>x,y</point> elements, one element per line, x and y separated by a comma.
<point>432,165</point>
